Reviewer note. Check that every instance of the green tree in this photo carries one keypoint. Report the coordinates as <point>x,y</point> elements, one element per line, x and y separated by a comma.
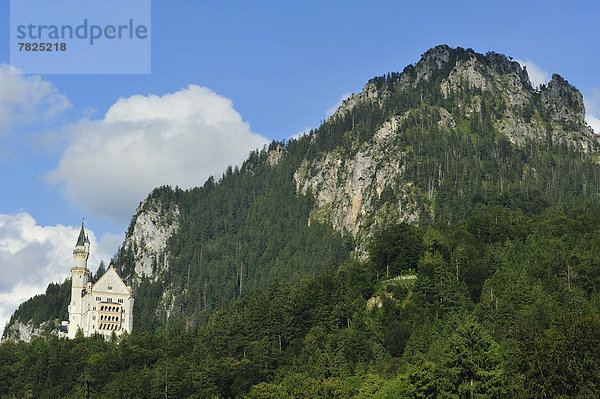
<point>397,248</point>
<point>471,366</point>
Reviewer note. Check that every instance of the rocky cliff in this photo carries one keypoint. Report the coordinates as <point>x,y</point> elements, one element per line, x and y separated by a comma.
<point>150,230</point>
<point>19,331</point>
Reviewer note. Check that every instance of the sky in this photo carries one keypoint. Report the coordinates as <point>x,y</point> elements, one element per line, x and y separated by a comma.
<point>226,78</point>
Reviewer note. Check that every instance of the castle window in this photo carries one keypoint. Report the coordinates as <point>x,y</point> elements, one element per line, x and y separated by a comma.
<point>110,287</point>
<point>93,317</point>
<point>108,299</point>
<point>120,301</point>
<point>98,298</point>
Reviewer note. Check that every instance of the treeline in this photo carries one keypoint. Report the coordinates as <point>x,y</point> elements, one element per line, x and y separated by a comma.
<point>504,304</point>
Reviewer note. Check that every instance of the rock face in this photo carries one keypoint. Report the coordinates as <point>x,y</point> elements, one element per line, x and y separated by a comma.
<point>152,228</point>
<point>564,102</point>
<point>275,155</point>
<point>20,331</point>
<point>347,191</point>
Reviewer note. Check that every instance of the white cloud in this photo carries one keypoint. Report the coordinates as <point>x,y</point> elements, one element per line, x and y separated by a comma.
<point>592,101</point>
<point>182,138</point>
<point>334,108</point>
<point>592,109</point>
<point>33,256</point>
<point>26,99</point>
<point>537,76</point>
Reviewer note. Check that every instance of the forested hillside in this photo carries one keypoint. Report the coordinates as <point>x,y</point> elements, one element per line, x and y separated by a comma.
<point>454,133</point>
<point>505,304</point>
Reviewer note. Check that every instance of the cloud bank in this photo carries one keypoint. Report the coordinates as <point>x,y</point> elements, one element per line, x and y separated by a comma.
<point>32,256</point>
<point>26,99</point>
<point>182,138</point>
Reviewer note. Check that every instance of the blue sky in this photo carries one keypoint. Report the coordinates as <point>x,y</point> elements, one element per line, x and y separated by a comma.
<point>245,73</point>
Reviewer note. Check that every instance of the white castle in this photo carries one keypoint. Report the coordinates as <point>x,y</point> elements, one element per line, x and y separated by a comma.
<point>100,308</point>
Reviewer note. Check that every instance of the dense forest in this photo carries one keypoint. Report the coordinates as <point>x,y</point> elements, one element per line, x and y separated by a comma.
<point>493,292</point>
<point>504,304</point>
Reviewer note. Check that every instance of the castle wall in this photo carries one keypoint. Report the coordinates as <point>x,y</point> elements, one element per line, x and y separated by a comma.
<point>102,308</point>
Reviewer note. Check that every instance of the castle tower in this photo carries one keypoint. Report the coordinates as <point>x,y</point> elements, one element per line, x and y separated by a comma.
<point>80,275</point>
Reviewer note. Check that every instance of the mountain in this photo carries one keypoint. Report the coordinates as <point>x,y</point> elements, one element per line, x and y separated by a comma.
<point>454,133</point>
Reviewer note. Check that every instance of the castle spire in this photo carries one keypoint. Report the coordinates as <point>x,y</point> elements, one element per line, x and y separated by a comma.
<point>82,238</point>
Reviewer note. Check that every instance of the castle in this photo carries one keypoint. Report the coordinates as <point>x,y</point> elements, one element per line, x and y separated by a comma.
<point>102,307</point>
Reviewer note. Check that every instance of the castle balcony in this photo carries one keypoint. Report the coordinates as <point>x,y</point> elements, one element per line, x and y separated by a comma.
<point>110,316</point>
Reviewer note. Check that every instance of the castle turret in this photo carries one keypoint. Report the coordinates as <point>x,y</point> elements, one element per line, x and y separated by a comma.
<point>82,250</point>
<point>80,276</point>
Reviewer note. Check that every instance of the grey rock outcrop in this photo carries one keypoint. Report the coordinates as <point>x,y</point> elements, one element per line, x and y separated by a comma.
<point>20,331</point>
<point>154,225</point>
